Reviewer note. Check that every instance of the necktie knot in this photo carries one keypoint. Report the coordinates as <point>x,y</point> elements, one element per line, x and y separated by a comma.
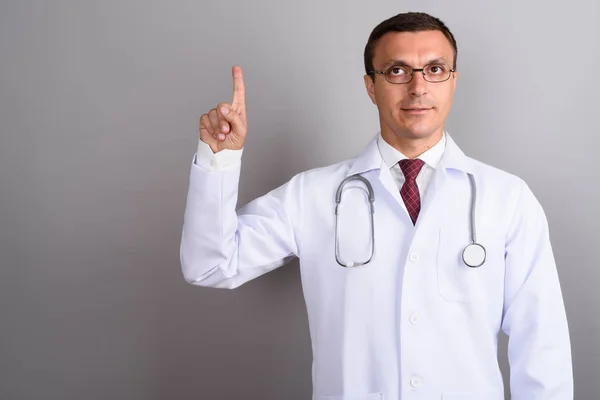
<point>410,168</point>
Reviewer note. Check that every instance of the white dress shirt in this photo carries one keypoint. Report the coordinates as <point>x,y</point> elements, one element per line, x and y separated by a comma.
<point>391,157</point>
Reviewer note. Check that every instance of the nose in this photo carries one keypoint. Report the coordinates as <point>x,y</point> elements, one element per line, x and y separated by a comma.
<point>418,85</point>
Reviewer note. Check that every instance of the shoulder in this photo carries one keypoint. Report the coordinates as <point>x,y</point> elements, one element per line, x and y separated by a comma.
<point>495,176</point>
<point>501,184</point>
<point>327,172</point>
<point>323,176</point>
<point>510,190</point>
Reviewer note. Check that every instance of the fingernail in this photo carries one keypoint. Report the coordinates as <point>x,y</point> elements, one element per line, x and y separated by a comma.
<point>221,136</point>
<point>224,129</point>
<point>224,110</point>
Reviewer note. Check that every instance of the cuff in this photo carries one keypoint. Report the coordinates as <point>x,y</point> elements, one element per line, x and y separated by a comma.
<point>224,160</point>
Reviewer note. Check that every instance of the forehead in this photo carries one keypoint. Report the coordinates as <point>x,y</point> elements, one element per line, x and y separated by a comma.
<point>414,48</point>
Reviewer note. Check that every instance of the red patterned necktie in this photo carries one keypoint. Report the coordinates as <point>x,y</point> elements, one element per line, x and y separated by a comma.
<point>409,191</point>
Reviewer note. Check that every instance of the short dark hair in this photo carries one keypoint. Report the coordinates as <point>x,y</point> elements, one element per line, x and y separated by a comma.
<point>406,22</point>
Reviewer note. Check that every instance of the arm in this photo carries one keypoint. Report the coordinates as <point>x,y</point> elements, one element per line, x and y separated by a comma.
<point>224,248</point>
<point>534,316</point>
<point>219,246</point>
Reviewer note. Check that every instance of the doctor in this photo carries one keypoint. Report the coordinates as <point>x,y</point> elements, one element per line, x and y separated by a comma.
<point>398,307</point>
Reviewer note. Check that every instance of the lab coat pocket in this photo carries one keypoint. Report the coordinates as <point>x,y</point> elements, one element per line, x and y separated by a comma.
<point>455,279</point>
<point>371,396</point>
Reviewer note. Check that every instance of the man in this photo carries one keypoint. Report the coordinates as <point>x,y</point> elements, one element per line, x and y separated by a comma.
<point>399,306</point>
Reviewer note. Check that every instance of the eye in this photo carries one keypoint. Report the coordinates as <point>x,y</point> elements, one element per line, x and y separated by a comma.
<point>397,71</point>
<point>436,69</point>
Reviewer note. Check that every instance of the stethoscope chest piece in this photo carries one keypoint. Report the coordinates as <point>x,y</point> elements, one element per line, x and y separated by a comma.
<point>474,255</point>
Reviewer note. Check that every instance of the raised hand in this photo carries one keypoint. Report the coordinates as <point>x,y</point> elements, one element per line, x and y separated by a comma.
<point>225,126</point>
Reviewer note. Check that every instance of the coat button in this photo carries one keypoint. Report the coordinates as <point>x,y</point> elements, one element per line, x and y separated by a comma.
<point>414,319</point>
<point>414,257</point>
<point>415,382</point>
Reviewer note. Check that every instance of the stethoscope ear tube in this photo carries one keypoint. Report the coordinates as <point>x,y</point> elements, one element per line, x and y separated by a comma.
<point>357,177</point>
<point>474,254</point>
<point>338,200</point>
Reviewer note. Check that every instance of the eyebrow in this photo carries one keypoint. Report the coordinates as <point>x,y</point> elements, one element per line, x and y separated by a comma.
<point>389,63</point>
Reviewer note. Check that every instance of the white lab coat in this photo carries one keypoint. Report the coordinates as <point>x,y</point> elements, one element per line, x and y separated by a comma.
<point>416,322</point>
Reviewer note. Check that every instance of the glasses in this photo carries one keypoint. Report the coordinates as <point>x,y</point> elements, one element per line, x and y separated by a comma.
<point>398,74</point>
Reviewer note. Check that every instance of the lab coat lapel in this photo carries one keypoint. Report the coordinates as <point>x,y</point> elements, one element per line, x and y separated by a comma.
<point>387,180</point>
<point>367,160</point>
<point>370,159</point>
<point>432,193</point>
<point>452,159</point>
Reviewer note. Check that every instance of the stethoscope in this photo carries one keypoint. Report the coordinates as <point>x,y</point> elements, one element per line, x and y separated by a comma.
<point>473,254</point>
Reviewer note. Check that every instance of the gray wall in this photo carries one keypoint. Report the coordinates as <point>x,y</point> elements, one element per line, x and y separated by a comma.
<point>99,107</point>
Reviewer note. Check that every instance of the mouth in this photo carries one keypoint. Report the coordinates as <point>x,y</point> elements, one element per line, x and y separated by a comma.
<point>417,110</point>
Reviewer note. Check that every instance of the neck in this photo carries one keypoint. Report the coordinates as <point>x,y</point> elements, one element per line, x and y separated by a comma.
<point>411,147</point>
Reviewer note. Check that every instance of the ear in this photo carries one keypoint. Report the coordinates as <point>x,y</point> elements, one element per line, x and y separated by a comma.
<point>370,85</point>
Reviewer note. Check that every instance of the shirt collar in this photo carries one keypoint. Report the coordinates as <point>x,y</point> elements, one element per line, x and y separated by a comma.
<point>391,156</point>
<point>371,159</point>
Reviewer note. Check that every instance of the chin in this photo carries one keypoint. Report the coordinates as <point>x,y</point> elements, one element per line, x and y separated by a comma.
<point>420,132</point>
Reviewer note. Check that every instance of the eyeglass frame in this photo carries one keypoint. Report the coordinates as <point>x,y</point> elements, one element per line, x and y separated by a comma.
<point>412,73</point>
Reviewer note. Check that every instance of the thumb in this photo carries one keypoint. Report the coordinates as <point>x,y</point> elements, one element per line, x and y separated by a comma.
<point>238,125</point>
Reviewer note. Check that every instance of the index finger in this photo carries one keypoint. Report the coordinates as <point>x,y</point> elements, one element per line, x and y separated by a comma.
<point>239,91</point>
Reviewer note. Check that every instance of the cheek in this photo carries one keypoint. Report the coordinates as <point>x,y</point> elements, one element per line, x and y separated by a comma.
<point>445,101</point>
<point>389,100</point>
<point>447,95</point>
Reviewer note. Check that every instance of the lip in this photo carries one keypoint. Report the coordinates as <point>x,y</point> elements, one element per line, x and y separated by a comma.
<point>416,110</point>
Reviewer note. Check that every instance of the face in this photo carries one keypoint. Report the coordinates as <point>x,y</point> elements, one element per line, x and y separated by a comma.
<point>415,110</point>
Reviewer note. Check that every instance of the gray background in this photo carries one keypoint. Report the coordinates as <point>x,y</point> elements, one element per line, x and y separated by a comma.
<point>99,107</point>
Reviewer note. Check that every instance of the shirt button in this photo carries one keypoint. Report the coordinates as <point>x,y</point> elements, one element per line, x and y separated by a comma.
<point>415,382</point>
<point>213,163</point>
<point>414,319</point>
<point>414,257</point>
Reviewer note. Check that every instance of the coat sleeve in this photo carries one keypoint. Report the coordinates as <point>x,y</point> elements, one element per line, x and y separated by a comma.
<point>534,317</point>
<point>224,248</point>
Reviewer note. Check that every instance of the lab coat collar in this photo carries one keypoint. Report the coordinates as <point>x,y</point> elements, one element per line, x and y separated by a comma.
<point>370,158</point>
<point>454,158</point>
<point>367,160</point>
